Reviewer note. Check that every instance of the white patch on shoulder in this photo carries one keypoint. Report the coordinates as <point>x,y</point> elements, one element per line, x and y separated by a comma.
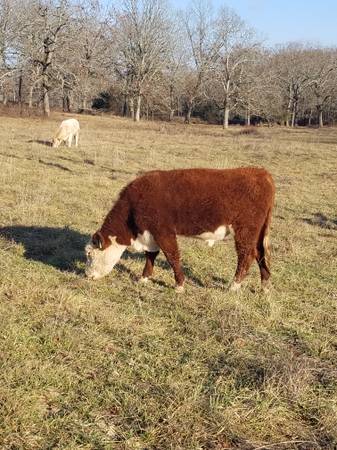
<point>219,234</point>
<point>144,242</point>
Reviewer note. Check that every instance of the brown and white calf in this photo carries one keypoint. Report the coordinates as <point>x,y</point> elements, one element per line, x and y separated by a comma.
<point>208,204</point>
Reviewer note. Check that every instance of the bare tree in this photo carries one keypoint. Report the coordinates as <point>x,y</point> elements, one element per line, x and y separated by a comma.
<point>203,45</point>
<point>45,35</point>
<point>322,73</point>
<point>237,52</point>
<point>292,68</point>
<point>265,96</point>
<point>142,41</point>
<point>171,80</point>
<point>11,23</point>
<point>86,60</point>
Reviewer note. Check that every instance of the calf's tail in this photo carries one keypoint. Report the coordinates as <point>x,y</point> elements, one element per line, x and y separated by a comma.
<point>266,254</point>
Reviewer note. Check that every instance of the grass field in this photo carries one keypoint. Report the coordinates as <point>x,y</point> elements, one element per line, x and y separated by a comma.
<point>117,365</point>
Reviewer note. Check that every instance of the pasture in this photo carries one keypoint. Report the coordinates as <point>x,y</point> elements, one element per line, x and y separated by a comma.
<point>114,364</point>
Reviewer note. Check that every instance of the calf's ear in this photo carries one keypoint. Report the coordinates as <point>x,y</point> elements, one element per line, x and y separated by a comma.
<point>98,240</point>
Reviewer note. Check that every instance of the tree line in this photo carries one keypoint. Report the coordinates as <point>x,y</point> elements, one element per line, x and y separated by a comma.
<point>142,58</point>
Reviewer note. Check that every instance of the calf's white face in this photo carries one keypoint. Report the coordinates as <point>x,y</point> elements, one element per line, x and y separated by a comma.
<point>56,143</point>
<point>101,262</point>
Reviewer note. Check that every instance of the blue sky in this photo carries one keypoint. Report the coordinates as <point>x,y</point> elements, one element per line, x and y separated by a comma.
<point>281,21</point>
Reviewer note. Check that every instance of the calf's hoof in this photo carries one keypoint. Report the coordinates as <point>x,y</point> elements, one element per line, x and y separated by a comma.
<point>179,289</point>
<point>143,280</point>
<point>266,287</point>
<point>234,286</point>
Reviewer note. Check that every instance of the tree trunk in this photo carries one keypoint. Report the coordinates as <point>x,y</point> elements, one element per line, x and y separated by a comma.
<point>4,98</point>
<point>138,105</point>
<point>225,115</point>
<point>84,103</point>
<point>171,115</point>
<point>310,118</point>
<point>293,118</point>
<point>288,113</point>
<point>20,88</point>
<point>320,116</point>
<point>132,108</point>
<point>66,102</point>
<point>248,117</point>
<point>293,115</point>
<point>46,107</point>
<point>125,107</point>
<point>30,96</point>
<point>188,113</point>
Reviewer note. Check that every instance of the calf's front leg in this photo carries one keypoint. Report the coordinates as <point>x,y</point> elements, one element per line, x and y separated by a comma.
<point>169,246</point>
<point>148,269</point>
<point>69,140</point>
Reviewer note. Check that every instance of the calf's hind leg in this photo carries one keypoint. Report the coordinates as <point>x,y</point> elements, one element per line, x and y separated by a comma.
<point>246,251</point>
<point>148,269</point>
<point>263,266</point>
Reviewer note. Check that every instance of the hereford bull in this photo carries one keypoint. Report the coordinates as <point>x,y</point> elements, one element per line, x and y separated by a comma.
<point>209,204</point>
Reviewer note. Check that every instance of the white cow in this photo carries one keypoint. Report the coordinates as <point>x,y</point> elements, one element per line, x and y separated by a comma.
<point>69,129</point>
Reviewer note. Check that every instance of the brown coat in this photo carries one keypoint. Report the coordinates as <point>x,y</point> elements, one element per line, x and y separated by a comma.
<point>191,202</point>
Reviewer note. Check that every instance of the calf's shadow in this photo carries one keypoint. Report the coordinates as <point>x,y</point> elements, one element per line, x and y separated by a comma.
<point>41,142</point>
<point>61,248</point>
<point>321,220</point>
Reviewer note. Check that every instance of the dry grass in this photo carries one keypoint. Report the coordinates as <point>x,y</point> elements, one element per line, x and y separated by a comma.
<point>115,365</point>
<point>249,131</point>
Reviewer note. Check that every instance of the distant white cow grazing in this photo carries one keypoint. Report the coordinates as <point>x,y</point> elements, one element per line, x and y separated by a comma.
<point>69,129</point>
